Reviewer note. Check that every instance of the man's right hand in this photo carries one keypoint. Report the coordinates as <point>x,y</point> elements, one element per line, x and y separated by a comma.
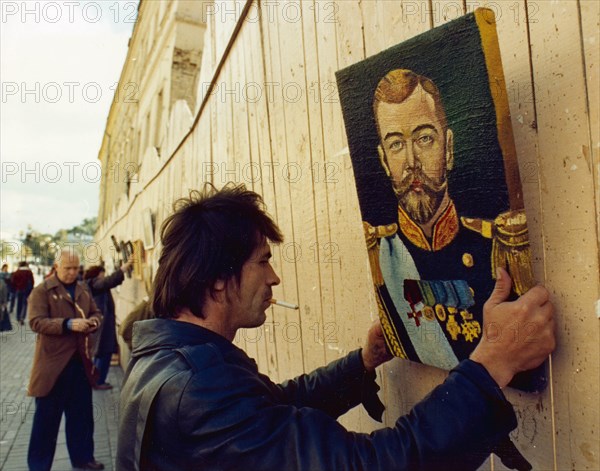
<point>83,325</point>
<point>517,335</point>
<point>127,266</point>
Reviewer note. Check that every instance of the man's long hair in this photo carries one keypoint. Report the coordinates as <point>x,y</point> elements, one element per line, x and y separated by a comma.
<point>209,237</point>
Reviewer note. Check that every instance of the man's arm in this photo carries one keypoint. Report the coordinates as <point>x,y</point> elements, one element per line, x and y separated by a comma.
<point>344,383</point>
<point>335,388</point>
<point>38,313</point>
<point>100,285</point>
<point>455,427</point>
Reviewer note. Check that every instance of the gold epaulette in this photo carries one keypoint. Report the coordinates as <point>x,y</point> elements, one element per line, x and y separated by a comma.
<point>510,246</point>
<point>372,236</point>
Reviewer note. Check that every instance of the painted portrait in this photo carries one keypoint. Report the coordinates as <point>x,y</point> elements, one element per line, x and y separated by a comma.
<point>436,173</point>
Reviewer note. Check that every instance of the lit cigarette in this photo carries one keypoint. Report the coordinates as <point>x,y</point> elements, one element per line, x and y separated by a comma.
<point>283,304</point>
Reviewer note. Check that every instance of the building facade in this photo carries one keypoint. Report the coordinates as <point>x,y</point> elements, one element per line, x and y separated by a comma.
<point>245,91</point>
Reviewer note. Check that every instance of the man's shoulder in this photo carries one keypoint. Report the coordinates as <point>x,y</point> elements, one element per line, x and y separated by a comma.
<point>46,285</point>
<point>194,357</point>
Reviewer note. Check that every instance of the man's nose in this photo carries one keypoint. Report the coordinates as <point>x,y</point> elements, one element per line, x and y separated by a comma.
<point>413,159</point>
<point>274,280</point>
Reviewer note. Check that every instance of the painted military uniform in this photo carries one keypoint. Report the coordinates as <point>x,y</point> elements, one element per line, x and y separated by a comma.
<point>432,290</point>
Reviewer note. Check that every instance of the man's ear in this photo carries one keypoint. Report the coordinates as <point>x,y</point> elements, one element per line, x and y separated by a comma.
<point>219,285</point>
<point>449,149</point>
<point>383,160</point>
<point>219,291</point>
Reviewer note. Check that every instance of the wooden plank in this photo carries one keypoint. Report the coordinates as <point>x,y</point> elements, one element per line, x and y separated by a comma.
<point>354,295</point>
<point>590,28</point>
<point>533,436</point>
<point>319,253</point>
<point>225,14</point>
<point>202,150</point>
<point>297,173</point>
<point>259,147</point>
<point>567,196</point>
<point>443,11</point>
<point>328,143</point>
<point>286,324</point>
<point>241,156</point>
<point>389,23</point>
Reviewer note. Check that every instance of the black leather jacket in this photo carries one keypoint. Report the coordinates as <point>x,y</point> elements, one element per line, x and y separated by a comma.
<point>192,400</point>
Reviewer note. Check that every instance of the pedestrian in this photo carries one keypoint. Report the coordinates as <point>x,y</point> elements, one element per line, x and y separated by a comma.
<point>22,282</point>
<point>5,275</point>
<point>191,399</point>
<point>4,316</point>
<point>62,312</point>
<point>104,340</point>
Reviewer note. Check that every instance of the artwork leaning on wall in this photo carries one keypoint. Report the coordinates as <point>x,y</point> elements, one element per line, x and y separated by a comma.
<point>438,184</point>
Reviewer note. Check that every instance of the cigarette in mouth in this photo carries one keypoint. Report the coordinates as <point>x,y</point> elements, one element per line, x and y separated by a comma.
<point>283,304</point>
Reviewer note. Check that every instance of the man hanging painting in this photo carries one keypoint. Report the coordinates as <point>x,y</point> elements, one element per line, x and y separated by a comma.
<point>434,159</point>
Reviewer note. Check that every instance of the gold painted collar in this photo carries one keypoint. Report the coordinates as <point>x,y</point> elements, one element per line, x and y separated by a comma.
<point>444,229</point>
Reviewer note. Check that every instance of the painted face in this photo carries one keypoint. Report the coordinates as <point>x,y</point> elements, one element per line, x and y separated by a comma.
<point>67,268</point>
<point>250,299</point>
<point>416,151</point>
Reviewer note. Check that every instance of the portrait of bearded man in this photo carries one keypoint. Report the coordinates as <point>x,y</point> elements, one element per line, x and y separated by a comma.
<point>416,146</point>
<point>437,179</point>
<point>434,268</point>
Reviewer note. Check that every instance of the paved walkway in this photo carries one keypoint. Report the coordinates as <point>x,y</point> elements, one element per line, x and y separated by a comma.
<point>16,413</point>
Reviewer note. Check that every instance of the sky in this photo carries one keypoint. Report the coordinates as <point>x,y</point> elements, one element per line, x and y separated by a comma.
<point>59,64</point>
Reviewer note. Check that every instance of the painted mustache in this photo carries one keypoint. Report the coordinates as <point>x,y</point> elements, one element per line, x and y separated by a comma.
<point>415,178</point>
<point>419,195</point>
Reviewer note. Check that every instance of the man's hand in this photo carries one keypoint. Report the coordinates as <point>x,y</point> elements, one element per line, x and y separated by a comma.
<point>517,335</point>
<point>374,353</point>
<point>126,266</point>
<point>85,326</point>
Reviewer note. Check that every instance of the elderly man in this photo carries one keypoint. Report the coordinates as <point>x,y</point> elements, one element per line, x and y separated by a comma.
<point>193,400</point>
<point>62,312</point>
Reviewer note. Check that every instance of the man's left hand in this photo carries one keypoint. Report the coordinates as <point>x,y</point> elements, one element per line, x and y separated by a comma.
<point>93,325</point>
<point>375,352</point>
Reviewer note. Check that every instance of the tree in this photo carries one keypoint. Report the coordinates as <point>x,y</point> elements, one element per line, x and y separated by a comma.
<point>41,247</point>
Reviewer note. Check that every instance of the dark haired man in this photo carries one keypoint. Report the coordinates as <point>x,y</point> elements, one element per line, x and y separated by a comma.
<point>21,283</point>
<point>193,400</point>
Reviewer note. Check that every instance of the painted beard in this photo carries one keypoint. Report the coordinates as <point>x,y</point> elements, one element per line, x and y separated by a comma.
<point>419,205</point>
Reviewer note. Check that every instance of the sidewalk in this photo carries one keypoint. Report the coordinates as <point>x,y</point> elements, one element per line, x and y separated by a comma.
<point>16,413</point>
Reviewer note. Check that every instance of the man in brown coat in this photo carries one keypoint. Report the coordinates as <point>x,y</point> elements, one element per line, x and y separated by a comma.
<point>62,312</point>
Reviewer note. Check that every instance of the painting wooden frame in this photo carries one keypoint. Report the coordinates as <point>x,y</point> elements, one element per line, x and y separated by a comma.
<point>148,227</point>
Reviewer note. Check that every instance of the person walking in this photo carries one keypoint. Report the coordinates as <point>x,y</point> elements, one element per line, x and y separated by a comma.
<point>22,282</point>
<point>4,316</point>
<point>104,341</point>
<point>5,275</point>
